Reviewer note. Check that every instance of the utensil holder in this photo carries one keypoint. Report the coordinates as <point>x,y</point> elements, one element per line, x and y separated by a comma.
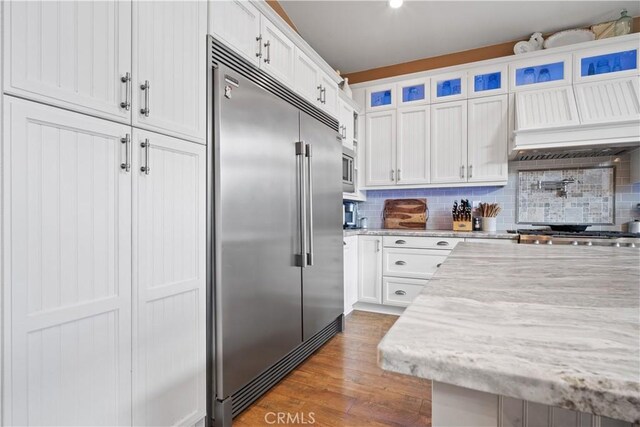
<point>488,223</point>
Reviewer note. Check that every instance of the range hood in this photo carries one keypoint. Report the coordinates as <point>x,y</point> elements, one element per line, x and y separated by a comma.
<point>584,120</point>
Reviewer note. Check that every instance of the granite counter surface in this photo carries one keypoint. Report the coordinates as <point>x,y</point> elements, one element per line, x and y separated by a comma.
<point>430,233</point>
<point>556,325</point>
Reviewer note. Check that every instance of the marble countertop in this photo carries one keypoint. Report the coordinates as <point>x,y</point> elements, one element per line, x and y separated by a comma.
<point>556,325</point>
<point>430,233</point>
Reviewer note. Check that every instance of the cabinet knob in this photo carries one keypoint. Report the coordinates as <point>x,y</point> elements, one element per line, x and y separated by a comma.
<point>438,266</point>
<point>401,242</point>
<point>401,263</point>
<point>442,243</point>
<point>400,292</point>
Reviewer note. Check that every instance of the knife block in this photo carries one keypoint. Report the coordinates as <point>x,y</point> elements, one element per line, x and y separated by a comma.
<point>462,226</point>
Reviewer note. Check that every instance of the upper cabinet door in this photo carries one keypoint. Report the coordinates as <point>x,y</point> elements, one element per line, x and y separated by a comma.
<point>449,142</point>
<point>72,54</point>
<point>169,305</point>
<point>413,92</point>
<point>449,87</point>
<point>487,145</point>
<point>380,150</point>
<point>67,267</point>
<point>345,119</point>
<point>413,148</point>
<point>606,62</point>
<point>307,76</point>
<point>540,72</point>
<point>381,97</point>
<point>237,23</point>
<point>328,95</point>
<point>278,53</point>
<point>488,81</point>
<point>169,67</point>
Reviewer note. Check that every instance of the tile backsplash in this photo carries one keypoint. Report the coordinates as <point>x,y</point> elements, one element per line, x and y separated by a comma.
<point>439,200</point>
<point>587,197</point>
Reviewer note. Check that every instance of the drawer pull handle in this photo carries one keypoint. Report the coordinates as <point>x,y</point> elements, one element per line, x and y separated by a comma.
<point>439,265</point>
<point>442,243</point>
<point>401,242</point>
<point>400,292</point>
<point>401,263</point>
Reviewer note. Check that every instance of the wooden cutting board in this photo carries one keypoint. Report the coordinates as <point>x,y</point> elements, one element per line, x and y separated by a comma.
<point>406,214</point>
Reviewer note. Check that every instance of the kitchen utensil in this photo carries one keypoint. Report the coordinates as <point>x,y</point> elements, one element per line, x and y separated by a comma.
<point>489,223</point>
<point>406,214</point>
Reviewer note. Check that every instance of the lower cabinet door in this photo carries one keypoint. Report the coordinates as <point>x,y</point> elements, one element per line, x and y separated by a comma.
<point>350,273</point>
<point>67,268</point>
<point>168,280</point>
<point>401,291</point>
<point>370,269</point>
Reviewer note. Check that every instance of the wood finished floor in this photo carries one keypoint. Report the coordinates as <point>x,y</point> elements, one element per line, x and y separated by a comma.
<point>342,385</point>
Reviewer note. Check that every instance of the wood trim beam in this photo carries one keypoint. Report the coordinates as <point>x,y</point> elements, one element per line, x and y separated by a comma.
<point>277,7</point>
<point>449,60</point>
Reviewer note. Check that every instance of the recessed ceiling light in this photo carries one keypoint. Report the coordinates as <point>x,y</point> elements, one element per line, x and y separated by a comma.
<point>395,3</point>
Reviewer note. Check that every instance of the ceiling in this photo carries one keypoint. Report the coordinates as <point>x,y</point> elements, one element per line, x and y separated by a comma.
<point>360,35</point>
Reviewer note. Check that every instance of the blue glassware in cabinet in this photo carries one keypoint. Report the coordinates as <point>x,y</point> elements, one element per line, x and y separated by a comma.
<point>609,63</point>
<point>489,81</point>
<point>449,87</point>
<point>413,93</point>
<point>381,98</point>
<point>539,73</point>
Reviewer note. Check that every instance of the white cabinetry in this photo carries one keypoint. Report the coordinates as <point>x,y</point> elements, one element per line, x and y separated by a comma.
<point>169,68</point>
<point>487,139</point>
<point>169,280</point>
<point>449,142</point>
<point>380,149</point>
<point>307,77</point>
<point>237,23</point>
<point>350,273</point>
<point>370,269</point>
<point>89,209</point>
<point>345,119</point>
<point>328,94</point>
<point>67,268</point>
<point>413,150</point>
<point>71,54</point>
<point>278,53</point>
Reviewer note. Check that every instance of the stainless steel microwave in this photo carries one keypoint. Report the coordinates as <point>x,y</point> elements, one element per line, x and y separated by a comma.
<point>348,170</point>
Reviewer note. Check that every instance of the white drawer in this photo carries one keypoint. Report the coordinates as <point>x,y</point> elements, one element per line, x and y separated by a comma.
<point>400,292</point>
<point>446,243</point>
<point>415,263</point>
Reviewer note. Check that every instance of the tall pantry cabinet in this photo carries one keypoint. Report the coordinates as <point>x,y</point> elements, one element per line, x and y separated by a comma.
<point>103,203</point>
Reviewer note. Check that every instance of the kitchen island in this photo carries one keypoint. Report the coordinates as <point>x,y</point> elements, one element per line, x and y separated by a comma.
<point>504,333</point>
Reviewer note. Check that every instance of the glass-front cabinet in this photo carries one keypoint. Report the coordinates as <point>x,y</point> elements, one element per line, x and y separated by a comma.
<point>487,81</point>
<point>381,97</point>
<point>605,63</point>
<point>539,72</point>
<point>449,87</point>
<point>413,92</point>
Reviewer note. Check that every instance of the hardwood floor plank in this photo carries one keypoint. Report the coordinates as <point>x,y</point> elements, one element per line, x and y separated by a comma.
<point>341,385</point>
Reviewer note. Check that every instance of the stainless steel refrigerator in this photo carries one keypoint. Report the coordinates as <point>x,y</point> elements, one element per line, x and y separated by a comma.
<point>276,291</point>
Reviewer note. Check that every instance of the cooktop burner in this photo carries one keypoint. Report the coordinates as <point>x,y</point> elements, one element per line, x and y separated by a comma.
<point>592,234</point>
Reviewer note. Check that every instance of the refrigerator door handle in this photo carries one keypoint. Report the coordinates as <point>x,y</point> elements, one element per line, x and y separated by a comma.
<point>302,258</point>
<point>308,154</point>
